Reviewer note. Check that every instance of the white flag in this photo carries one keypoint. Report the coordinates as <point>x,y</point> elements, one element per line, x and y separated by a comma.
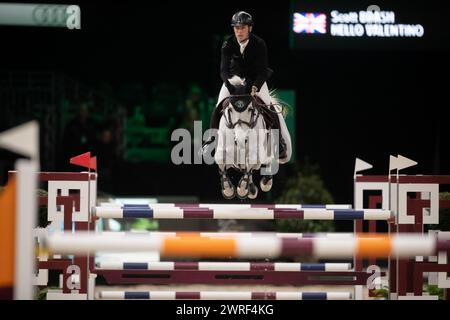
<point>404,162</point>
<point>23,139</point>
<point>361,165</point>
<point>393,163</point>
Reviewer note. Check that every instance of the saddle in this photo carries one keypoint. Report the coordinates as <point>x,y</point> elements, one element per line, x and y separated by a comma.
<point>268,113</point>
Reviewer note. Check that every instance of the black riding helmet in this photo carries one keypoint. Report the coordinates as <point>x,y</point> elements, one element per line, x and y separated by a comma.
<point>241,18</point>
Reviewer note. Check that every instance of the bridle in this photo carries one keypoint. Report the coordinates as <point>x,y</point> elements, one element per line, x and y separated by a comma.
<point>257,109</point>
<point>253,116</point>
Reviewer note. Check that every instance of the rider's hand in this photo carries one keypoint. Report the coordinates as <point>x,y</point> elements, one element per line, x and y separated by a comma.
<point>254,90</point>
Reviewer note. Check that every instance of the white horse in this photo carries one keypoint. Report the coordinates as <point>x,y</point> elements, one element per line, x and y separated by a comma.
<point>246,141</point>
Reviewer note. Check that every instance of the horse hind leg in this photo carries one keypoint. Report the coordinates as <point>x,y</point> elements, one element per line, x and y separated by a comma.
<point>252,188</point>
<point>266,183</point>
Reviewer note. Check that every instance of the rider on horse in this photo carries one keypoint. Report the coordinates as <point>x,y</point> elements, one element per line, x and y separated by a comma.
<point>245,55</point>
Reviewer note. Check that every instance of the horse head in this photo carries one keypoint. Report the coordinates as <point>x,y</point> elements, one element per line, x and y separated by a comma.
<point>240,113</point>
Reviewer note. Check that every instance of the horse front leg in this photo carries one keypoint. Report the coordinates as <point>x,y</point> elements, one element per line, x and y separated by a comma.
<point>252,188</point>
<point>221,158</point>
<point>246,187</point>
<point>227,188</point>
<point>243,185</point>
<point>268,156</point>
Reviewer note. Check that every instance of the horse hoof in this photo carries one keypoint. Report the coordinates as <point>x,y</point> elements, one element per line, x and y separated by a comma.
<point>252,191</point>
<point>266,183</point>
<point>229,193</point>
<point>228,190</point>
<point>242,189</point>
<point>242,193</point>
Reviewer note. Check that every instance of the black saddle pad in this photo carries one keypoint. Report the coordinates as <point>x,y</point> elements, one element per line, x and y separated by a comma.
<point>240,103</point>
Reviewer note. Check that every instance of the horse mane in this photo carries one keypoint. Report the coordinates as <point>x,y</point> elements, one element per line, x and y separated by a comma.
<point>278,104</point>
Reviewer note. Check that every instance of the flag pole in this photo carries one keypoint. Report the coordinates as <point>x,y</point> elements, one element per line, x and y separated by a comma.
<point>360,165</point>
<point>401,163</point>
<point>85,160</point>
<point>392,165</point>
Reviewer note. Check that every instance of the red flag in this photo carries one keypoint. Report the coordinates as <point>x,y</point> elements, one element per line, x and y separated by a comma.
<point>93,163</point>
<point>83,160</point>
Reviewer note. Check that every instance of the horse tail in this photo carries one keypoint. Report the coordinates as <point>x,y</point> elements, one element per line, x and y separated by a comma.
<point>278,103</point>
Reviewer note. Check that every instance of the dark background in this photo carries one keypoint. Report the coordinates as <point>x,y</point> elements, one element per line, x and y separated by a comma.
<point>350,103</point>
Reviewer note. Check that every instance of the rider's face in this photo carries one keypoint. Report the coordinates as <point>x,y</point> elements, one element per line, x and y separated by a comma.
<point>242,32</point>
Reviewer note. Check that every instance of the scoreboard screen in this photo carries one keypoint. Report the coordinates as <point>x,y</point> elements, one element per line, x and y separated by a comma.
<point>368,25</point>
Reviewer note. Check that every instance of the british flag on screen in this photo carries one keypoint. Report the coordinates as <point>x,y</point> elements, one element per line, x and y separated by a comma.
<point>310,22</point>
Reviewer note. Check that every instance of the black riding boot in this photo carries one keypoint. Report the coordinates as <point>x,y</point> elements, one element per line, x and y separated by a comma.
<point>214,124</point>
<point>282,148</point>
<point>215,118</point>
